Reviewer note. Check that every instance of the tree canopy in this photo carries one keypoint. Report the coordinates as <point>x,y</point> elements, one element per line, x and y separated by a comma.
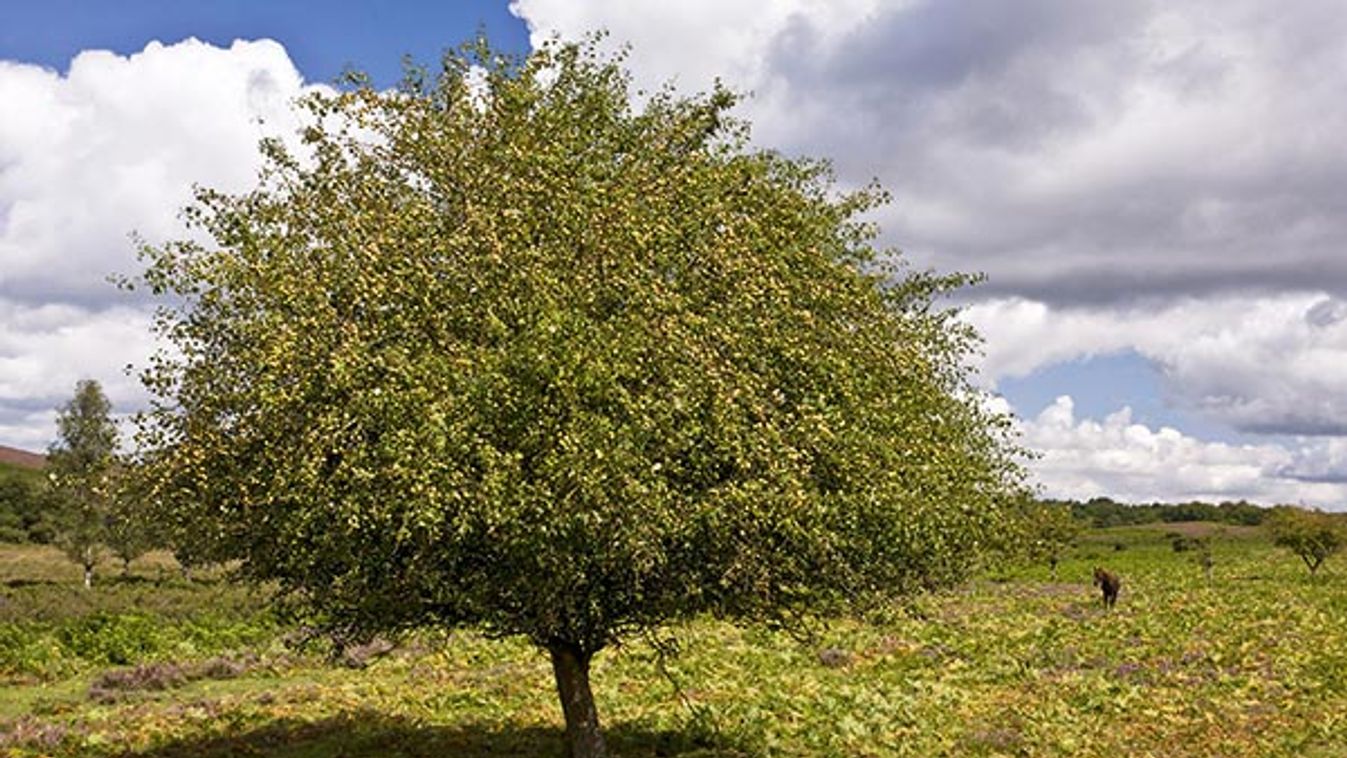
<point>1314,536</point>
<point>504,348</point>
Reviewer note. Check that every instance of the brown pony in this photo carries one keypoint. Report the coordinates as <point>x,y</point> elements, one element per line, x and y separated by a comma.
<point>1110,583</point>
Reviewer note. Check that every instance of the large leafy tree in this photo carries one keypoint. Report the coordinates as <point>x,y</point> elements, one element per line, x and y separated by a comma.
<point>80,470</point>
<point>503,349</point>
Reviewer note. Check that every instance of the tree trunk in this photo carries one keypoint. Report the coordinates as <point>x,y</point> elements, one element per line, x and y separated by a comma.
<point>571,667</point>
<point>87,561</point>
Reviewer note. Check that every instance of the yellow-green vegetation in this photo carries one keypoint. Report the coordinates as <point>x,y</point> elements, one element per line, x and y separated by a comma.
<point>1253,663</point>
<point>53,629</point>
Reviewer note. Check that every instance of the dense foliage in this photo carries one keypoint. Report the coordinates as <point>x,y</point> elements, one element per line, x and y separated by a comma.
<point>23,517</point>
<point>502,349</point>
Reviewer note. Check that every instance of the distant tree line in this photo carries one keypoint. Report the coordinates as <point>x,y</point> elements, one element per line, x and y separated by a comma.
<point>1103,512</point>
<point>23,511</point>
<point>1044,530</point>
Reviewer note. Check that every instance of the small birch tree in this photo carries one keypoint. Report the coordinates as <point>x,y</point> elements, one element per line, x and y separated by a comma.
<point>81,466</point>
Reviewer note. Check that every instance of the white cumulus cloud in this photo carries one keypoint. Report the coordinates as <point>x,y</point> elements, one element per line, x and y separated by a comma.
<point>1081,458</point>
<point>114,145</point>
<point>1075,152</point>
<point>1272,363</point>
<point>87,157</point>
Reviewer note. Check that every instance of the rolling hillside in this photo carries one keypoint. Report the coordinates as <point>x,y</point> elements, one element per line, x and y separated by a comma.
<point>13,458</point>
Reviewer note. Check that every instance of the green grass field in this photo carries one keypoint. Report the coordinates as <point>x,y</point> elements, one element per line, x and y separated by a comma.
<point>1015,664</point>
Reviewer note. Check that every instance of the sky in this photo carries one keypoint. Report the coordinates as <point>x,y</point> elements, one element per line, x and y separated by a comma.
<point>1156,191</point>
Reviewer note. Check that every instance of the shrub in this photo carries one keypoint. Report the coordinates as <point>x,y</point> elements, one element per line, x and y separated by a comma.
<point>118,639</point>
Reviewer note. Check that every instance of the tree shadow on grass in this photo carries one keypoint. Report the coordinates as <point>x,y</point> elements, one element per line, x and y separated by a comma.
<point>20,583</point>
<point>369,734</point>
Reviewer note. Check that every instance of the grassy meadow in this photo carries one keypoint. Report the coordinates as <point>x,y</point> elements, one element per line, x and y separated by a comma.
<point>1017,663</point>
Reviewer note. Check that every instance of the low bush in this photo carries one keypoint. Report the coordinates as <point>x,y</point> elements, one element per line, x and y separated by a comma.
<point>117,639</point>
<point>113,686</point>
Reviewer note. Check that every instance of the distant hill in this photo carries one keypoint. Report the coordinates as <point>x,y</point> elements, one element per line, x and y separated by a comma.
<point>21,459</point>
